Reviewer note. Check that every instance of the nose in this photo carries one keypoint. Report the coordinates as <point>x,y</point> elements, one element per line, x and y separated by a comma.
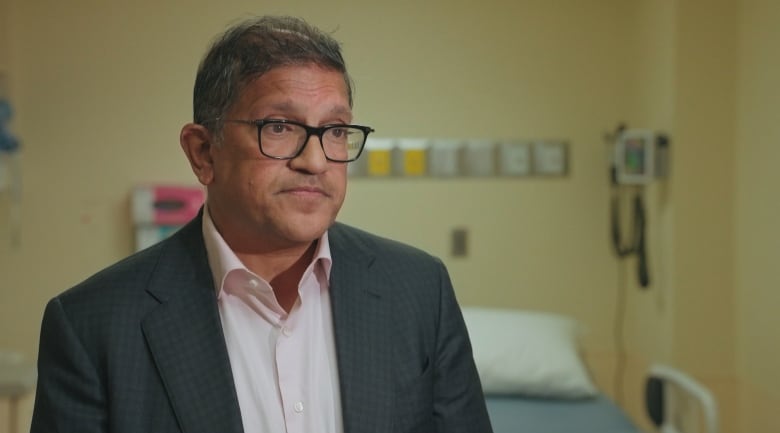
<point>312,158</point>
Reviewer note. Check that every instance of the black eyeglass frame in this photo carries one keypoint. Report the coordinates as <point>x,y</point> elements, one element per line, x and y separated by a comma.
<point>310,130</point>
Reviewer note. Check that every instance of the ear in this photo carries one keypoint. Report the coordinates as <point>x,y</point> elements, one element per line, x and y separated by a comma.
<point>196,142</point>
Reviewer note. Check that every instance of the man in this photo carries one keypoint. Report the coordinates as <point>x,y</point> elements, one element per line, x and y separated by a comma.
<point>263,314</point>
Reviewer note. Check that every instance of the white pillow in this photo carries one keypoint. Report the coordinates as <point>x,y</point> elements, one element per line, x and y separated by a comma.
<point>527,353</point>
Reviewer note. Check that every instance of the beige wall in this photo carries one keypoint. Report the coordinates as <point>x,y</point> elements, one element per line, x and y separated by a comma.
<point>684,83</point>
<point>102,89</point>
<point>649,314</point>
<point>757,213</point>
<point>5,60</point>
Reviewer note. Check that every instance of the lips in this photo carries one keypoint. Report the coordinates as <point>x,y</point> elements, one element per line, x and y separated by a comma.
<point>305,190</point>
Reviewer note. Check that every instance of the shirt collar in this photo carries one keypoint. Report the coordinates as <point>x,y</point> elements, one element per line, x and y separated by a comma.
<point>222,259</point>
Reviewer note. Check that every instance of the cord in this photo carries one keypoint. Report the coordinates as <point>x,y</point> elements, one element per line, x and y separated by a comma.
<point>619,325</point>
<point>643,274</point>
<point>638,244</point>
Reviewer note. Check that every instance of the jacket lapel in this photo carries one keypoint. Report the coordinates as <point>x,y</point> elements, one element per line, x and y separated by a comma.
<point>185,338</point>
<point>360,315</point>
<point>184,335</point>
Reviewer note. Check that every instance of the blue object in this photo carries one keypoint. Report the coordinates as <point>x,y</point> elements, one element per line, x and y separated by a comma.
<point>516,414</point>
<point>8,142</point>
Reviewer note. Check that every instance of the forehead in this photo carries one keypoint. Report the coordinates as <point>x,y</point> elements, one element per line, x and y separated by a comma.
<point>303,80</point>
<point>310,82</point>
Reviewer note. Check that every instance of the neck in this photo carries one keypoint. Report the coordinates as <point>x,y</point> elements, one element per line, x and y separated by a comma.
<point>282,269</point>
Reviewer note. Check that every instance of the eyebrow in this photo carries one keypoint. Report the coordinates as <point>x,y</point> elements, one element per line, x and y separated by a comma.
<point>287,106</point>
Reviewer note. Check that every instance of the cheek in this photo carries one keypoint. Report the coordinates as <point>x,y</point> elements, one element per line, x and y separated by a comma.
<point>259,179</point>
<point>340,183</point>
<point>242,181</point>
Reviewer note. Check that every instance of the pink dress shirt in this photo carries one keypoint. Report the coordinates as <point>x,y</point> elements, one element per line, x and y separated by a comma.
<point>284,365</point>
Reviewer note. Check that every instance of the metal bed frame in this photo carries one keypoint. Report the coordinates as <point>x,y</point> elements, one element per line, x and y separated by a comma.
<point>677,403</point>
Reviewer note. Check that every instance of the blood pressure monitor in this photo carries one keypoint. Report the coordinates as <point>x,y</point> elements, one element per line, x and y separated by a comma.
<point>636,157</point>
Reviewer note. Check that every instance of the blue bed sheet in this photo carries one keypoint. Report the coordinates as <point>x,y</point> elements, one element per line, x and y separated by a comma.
<point>535,415</point>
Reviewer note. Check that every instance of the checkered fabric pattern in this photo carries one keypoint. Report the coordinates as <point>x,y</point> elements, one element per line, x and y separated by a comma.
<point>138,347</point>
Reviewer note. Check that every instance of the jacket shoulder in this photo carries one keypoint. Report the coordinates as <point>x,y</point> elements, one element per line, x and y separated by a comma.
<point>342,235</point>
<point>130,276</point>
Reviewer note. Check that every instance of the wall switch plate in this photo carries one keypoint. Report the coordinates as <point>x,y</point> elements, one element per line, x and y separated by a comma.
<point>460,237</point>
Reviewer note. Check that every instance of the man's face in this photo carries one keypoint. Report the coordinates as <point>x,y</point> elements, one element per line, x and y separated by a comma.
<point>259,202</point>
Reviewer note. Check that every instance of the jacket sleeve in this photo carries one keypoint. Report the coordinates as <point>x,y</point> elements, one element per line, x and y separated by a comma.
<point>459,404</point>
<point>70,397</point>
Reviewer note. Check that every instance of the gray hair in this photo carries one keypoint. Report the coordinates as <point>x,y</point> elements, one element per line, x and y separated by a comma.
<point>251,48</point>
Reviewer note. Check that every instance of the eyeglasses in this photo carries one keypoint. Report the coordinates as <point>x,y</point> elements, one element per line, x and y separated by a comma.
<point>286,139</point>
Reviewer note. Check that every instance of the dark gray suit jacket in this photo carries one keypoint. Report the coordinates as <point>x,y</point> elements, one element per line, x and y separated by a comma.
<point>138,347</point>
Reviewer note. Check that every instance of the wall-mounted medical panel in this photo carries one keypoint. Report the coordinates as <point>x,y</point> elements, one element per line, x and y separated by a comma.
<point>379,157</point>
<point>444,157</point>
<point>514,158</point>
<point>550,157</point>
<point>410,157</point>
<point>448,157</point>
<point>478,158</point>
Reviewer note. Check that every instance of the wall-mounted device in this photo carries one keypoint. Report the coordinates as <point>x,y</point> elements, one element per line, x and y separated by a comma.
<point>640,156</point>
<point>160,210</point>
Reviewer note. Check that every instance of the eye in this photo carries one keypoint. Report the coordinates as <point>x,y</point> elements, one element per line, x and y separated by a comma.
<point>278,128</point>
<point>339,132</point>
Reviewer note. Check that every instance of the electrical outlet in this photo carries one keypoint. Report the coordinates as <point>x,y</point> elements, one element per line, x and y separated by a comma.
<point>459,242</point>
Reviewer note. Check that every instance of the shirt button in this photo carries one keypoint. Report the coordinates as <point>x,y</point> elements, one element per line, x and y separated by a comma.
<point>252,284</point>
<point>298,407</point>
<point>287,332</point>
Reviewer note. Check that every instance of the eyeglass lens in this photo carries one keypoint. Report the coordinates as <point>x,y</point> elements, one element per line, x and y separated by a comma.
<point>283,140</point>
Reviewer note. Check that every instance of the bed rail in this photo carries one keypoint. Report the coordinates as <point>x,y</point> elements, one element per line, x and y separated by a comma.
<point>668,390</point>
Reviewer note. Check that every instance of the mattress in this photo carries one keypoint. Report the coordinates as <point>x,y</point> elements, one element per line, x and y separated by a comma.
<point>535,415</point>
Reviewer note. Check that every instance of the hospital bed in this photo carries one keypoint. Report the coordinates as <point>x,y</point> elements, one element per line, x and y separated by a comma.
<point>535,380</point>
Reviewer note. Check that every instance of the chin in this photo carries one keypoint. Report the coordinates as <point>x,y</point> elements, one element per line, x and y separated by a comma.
<point>307,230</point>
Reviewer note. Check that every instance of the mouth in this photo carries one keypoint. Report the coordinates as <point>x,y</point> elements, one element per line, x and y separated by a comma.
<point>305,191</point>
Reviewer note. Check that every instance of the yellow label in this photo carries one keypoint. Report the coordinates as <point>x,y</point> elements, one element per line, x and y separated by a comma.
<point>379,162</point>
<point>414,162</point>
